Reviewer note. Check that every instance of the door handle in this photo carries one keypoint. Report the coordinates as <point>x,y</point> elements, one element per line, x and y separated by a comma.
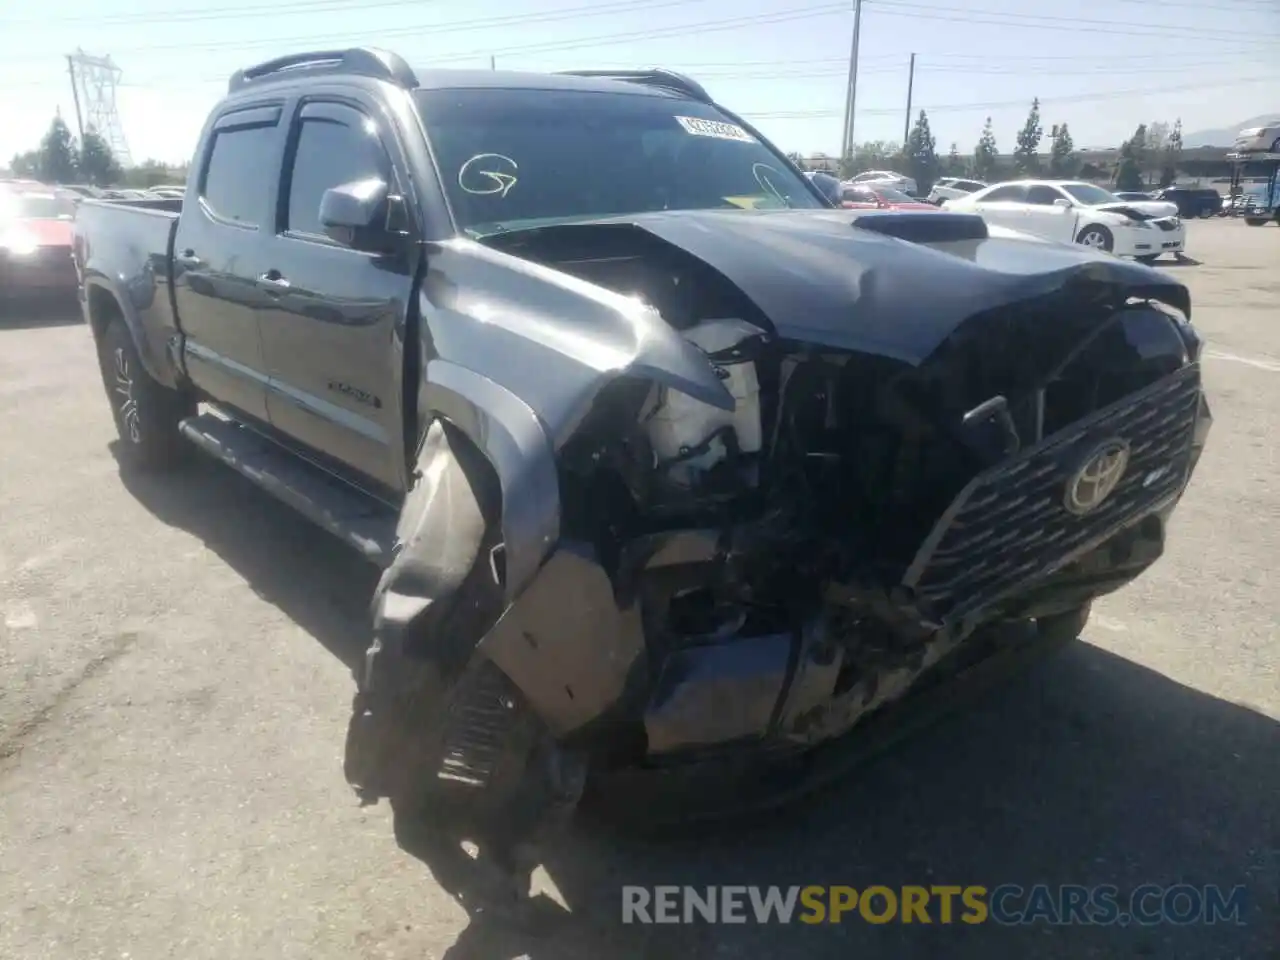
<point>274,279</point>
<point>188,258</point>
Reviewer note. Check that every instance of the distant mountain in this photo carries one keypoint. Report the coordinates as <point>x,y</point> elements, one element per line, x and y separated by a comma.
<point>1222,136</point>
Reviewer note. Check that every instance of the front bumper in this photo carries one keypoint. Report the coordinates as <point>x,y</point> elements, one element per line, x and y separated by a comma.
<point>44,271</point>
<point>1166,235</point>
<point>758,777</point>
<point>1006,550</point>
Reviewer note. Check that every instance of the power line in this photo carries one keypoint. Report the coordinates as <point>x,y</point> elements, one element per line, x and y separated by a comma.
<point>347,38</point>
<point>898,8</point>
<point>226,13</point>
<point>1061,24</point>
<point>1021,102</point>
<point>170,15</point>
<point>1238,6</point>
<point>923,66</point>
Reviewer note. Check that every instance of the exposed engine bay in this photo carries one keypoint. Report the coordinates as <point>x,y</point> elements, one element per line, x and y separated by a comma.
<point>800,560</point>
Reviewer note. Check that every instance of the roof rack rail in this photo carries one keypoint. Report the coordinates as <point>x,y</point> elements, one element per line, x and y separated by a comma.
<point>361,61</point>
<point>657,77</point>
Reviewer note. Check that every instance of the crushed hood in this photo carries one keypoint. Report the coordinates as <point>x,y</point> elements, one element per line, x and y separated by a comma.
<point>822,280</point>
<point>1149,209</point>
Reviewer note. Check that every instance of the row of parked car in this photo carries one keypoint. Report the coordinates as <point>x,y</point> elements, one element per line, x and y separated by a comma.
<point>1192,202</point>
<point>36,234</point>
<point>1141,226</point>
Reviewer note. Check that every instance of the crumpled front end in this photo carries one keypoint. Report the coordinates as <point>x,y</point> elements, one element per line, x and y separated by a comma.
<point>761,582</point>
<point>897,480</point>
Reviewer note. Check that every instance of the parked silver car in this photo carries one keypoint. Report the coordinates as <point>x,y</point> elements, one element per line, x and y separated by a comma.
<point>885,178</point>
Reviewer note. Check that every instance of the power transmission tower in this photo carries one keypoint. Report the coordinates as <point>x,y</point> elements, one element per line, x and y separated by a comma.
<point>93,82</point>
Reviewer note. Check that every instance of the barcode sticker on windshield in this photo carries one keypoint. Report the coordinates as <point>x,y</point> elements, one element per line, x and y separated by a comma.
<point>715,128</point>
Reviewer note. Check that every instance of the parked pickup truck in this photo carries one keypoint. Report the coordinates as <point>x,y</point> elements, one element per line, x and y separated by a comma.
<point>677,474</point>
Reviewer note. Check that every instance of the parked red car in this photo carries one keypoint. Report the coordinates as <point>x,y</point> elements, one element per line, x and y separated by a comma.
<point>855,196</point>
<point>35,243</point>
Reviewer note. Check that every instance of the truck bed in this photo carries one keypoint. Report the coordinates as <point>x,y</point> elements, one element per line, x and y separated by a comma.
<point>123,249</point>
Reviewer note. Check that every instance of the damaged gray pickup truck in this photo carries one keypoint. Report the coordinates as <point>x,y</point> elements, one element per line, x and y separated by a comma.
<point>677,475</point>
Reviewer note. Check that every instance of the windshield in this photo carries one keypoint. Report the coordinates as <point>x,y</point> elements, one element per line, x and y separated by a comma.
<point>510,157</point>
<point>1088,194</point>
<point>39,206</point>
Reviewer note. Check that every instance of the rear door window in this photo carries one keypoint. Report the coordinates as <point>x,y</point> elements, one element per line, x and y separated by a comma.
<point>236,185</point>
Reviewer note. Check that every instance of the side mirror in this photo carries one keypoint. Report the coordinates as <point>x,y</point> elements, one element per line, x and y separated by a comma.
<point>355,215</point>
<point>1063,204</point>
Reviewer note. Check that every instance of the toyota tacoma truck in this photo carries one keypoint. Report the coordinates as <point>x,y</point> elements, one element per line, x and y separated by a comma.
<point>678,475</point>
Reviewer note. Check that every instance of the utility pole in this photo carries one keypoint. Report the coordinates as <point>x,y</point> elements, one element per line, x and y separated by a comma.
<point>851,93</point>
<point>906,126</point>
<point>75,95</point>
<point>493,63</point>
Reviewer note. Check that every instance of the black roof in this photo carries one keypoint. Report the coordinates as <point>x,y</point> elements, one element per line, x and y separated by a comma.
<point>384,65</point>
<point>434,78</point>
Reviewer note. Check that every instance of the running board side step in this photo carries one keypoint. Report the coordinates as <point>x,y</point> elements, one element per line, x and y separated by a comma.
<point>357,519</point>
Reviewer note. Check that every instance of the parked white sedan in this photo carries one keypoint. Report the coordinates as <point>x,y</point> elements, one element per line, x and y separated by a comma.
<point>1071,211</point>
<point>1263,139</point>
<point>951,188</point>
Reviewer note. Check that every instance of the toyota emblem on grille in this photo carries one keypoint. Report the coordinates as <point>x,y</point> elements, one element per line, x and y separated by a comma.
<point>1097,476</point>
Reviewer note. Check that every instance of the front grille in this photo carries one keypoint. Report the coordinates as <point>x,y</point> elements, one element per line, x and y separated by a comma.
<point>1010,527</point>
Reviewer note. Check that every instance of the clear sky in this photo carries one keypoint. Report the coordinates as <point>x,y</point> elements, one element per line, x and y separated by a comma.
<point>1103,66</point>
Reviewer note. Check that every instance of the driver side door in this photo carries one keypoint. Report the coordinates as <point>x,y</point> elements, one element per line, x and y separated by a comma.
<point>332,319</point>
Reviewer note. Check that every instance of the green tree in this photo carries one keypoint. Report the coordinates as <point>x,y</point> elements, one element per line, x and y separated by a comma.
<point>58,158</point>
<point>955,163</point>
<point>1172,155</point>
<point>873,155</point>
<point>1155,143</point>
<point>1062,156</point>
<point>1132,160</point>
<point>97,163</point>
<point>922,155</point>
<point>985,154</point>
<point>151,173</point>
<point>25,165</point>
<point>1026,155</point>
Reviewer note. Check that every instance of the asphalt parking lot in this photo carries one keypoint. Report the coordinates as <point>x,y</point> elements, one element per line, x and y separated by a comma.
<point>175,684</point>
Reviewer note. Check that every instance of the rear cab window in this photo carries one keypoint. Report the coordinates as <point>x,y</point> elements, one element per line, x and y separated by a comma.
<point>241,166</point>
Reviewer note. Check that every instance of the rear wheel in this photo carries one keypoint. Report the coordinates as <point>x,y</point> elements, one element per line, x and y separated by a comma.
<point>1098,237</point>
<point>1255,221</point>
<point>146,413</point>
